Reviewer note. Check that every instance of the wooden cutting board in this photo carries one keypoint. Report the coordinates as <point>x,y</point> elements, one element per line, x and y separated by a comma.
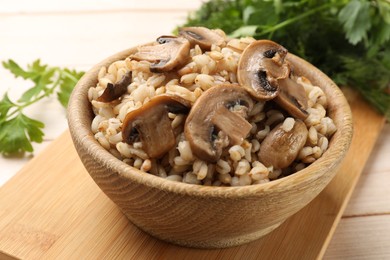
<point>52,209</point>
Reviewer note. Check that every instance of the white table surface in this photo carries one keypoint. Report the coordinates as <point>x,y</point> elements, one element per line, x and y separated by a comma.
<point>78,34</point>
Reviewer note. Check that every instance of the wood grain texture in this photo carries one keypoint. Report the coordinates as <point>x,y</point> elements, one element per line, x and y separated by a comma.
<point>207,217</point>
<point>371,196</point>
<point>54,196</point>
<point>373,229</point>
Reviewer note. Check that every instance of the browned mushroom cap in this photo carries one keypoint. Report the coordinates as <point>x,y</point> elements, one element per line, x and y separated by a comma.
<point>292,97</point>
<point>210,114</point>
<point>280,148</point>
<point>260,67</point>
<point>165,56</point>
<point>150,123</point>
<point>114,91</point>
<point>201,36</point>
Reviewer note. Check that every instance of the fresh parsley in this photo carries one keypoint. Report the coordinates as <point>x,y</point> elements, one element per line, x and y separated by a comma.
<point>349,40</point>
<point>18,131</point>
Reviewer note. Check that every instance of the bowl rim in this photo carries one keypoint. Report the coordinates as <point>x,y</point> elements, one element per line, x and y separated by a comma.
<point>83,137</point>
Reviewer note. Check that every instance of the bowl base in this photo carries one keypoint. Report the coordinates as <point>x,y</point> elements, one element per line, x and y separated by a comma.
<point>215,243</point>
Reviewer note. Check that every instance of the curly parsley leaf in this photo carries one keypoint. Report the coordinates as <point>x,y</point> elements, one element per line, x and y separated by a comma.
<point>42,84</point>
<point>68,80</point>
<point>18,131</point>
<point>5,105</point>
<point>243,31</point>
<point>13,67</point>
<point>384,10</point>
<point>355,18</point>
<point>223,14</point>
<point>17,134</point>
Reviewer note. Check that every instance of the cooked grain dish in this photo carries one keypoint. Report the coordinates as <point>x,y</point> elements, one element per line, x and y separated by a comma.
<point>217,140</point>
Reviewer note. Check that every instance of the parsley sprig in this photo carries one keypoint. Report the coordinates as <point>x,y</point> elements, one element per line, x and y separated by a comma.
<point>349,40</point>
<point>17,130</point>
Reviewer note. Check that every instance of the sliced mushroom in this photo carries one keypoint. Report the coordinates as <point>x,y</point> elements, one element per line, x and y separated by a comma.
<point>211,113</point>
<point>280,148</point>
<point>114,91</point>
<point>292,97</point>
<point>150,123</point>
<point>260,67</point>
<point>202,36</point>
<point>166,56</point>
<point>165,39</point>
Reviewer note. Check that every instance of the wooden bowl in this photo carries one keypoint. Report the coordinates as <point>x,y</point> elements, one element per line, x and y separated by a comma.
<point>202,216</point>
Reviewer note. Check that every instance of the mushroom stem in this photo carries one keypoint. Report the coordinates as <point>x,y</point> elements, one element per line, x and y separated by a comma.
<point>292,97</point>
<point>169,54</point>
<point>211,114</point>
<point>201,36</point>
<point>234,125</point>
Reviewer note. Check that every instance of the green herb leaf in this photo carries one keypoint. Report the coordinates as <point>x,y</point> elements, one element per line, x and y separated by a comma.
<point>15,69</point>
<point>226,15</point>
<point>379,34</point>
<point>69,78</point>
<point>17,134</point>
<point>243,31</point>
<point>355,18</point>
<point>5,105</point>
<point>261,13</point>
<point>246,14</point>
<point>42,84</point>
<point>17,131</point>
<point>384,10</point>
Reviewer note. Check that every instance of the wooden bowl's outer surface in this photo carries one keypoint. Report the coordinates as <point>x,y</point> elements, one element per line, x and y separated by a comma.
<point>201,216</point>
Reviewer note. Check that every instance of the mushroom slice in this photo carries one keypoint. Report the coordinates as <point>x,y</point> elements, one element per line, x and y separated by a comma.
<point>114,91</point>
<point>232,124</point>
<point>280,148</point>
<point>292,97</point>
<point>211,113</point>
<point>165,39</point>
<point>150,123</point>
<point>260,67</point>
<point>169,54</point>
<point>202,36</point>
